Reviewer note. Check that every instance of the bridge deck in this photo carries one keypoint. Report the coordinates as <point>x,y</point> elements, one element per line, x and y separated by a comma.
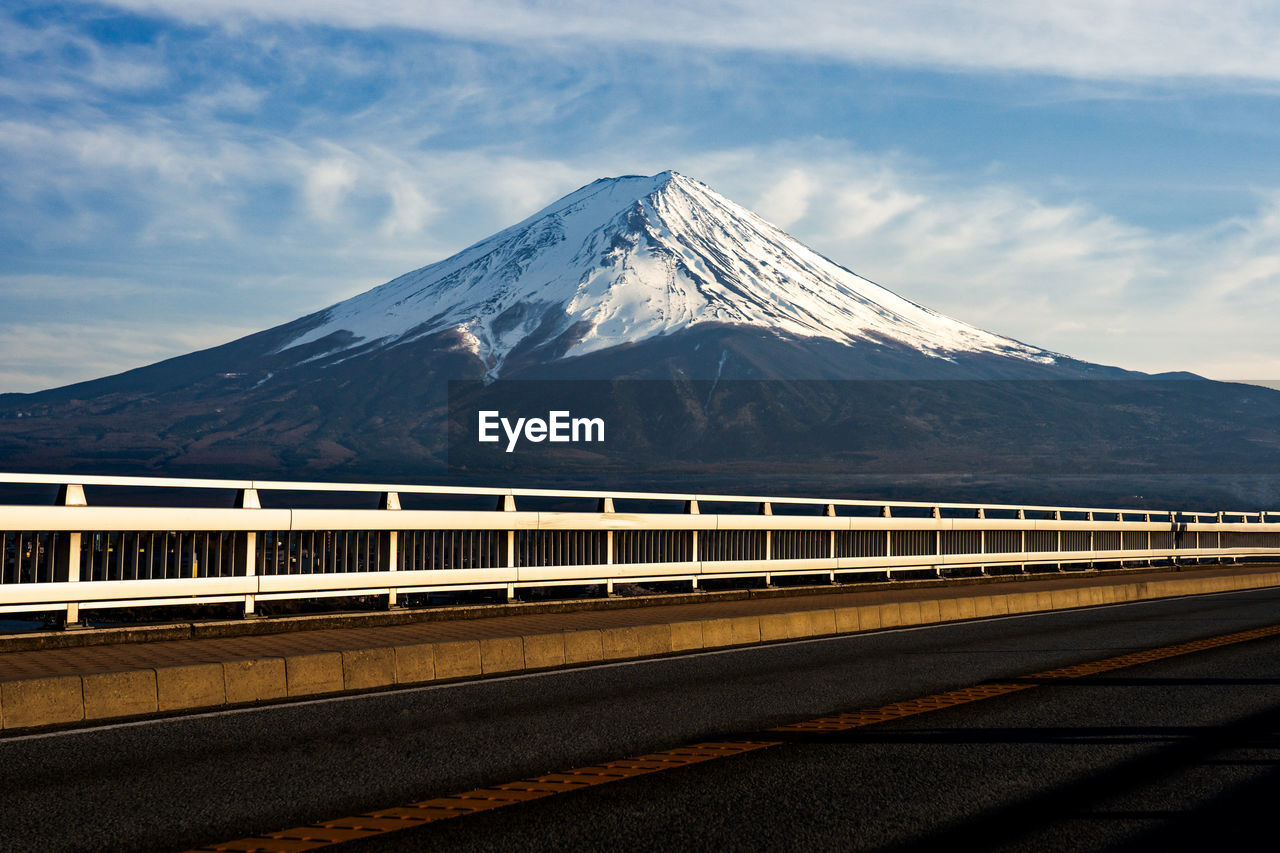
<point>55,686</point>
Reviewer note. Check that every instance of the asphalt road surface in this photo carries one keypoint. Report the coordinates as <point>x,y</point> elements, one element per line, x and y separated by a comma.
<point>1179,753</point>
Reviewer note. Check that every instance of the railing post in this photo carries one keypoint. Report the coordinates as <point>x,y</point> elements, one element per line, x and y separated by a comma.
<point>886,512</point>
<point>766,508</point>
<point>830,512</point>
<point>982,538</point>
<point>248,499</point>
<point>391,501</point>
<point>937,540</point>
<point>72,495</point>
<point>250,568</point>
<point>1057,516</point>
<point>1092,547</point>
<point>507,503</point>
<point>691,508</point>
<point>606,506</point>
<point>73,576</point>
<point>1022,539</point>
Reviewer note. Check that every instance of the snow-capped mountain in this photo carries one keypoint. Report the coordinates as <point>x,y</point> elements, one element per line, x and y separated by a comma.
<point>623,260</point>
<point>662,289</point>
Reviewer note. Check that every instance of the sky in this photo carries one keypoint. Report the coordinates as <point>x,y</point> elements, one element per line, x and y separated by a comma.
<point>1095,178</point>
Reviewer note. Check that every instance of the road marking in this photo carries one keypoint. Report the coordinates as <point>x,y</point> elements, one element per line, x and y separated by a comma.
<point>326,833</point>
<point>380,822</point>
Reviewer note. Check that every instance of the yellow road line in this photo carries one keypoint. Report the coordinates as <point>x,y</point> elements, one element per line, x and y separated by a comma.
<point>326,833</point>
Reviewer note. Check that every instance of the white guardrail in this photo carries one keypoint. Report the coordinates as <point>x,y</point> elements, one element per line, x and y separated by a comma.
<point>74,555</point>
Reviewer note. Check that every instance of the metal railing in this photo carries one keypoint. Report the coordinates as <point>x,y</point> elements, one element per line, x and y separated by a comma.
<point>74,555</point>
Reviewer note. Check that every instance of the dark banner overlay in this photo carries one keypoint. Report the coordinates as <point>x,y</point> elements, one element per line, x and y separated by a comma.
<point>1075,428</point>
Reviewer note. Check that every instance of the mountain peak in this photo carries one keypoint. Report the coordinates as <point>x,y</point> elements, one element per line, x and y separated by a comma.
<point>624,259</point>
<point>619,192</point>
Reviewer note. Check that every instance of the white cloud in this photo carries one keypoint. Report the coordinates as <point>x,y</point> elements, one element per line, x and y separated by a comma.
<point>411,210</point>
<point>788,199</point>
<point>1078,38</point>
<point>326,184</point>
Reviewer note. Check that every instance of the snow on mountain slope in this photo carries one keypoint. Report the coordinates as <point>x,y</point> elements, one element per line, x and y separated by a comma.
<point>624,259</point>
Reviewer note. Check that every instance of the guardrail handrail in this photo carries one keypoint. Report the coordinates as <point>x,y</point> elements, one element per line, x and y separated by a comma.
<point>411,488</point>
<point>77,555</point>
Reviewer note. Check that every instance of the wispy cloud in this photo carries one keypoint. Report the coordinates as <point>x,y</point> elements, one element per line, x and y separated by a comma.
<point>1079,38</point>
<point>56,60</point>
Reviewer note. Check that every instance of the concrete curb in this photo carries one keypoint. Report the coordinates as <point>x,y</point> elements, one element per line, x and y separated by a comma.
<point>70,699</point>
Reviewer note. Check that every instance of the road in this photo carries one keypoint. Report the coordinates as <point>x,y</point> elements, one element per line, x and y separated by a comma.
<point>1169,754</point>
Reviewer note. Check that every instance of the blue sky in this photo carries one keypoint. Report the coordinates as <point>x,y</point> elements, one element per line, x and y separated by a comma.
<point>1100,181</point>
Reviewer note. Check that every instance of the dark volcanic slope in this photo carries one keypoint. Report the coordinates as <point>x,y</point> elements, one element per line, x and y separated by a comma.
<point>234,410</point>
<point>702,408</point>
